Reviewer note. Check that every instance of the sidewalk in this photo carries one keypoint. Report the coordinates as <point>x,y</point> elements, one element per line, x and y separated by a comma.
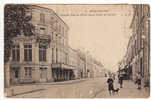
<point>129,90</point>
<point>33,87</point>
<point>63,82</point>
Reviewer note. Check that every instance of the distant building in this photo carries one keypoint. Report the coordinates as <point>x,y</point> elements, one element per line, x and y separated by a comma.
<point>73,61</point>
<point>82,68</point>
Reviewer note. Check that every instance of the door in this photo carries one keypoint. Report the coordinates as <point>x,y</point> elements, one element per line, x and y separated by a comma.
<point>43,74</point>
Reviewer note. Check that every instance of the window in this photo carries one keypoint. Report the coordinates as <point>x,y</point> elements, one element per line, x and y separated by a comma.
<point>63,42</point>
<point>16,73</point>
<point>42,18</point>
<point>16,53</point>
<point>66,58</point>
<point>56,55</point>
<point>135,47</point>
<point>59,28</point>
<point>133,50</point>
<point>27,52</point>
<point>28,72</point>
<point>63,31</point>
<point>52,36</point>
<point>138,42</point>
<point>42,30</point>
<point>42,52</point>
<point>141,67</point>
<point>52,55</point>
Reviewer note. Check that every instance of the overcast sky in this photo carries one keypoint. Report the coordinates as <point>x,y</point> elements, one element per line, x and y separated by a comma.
<point>104,36</point>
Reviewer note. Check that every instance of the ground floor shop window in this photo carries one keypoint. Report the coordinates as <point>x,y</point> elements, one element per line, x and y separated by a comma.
<point>28,72</point>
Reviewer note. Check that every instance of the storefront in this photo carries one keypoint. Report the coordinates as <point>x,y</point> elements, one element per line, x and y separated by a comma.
<point>62,72</point>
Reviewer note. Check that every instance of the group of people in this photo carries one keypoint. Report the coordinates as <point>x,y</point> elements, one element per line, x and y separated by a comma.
<point>138,80</point>
<point>110,82</point>
<point>111,79</point>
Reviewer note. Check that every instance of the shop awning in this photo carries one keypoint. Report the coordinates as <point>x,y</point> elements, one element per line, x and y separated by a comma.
<point>63,66</point>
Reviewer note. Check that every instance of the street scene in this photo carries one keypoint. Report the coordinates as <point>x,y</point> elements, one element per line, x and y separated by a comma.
<point>76,51</point>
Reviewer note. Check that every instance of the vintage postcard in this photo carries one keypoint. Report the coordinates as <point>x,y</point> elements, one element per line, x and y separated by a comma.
<point>76,51</point>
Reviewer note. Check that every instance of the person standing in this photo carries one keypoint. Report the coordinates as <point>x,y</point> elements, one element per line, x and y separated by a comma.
<point>110,85</point>
<point>113,76</point>
<point>139,78</point>
<point>120,76</point>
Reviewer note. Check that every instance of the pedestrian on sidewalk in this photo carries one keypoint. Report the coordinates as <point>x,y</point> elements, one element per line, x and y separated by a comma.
<point>139,78</point>
<point>110,85</point>
<point>120,79</point>
<point>113,76</point>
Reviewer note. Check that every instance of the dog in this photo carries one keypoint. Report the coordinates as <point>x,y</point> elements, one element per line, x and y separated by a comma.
<point>116,90</point>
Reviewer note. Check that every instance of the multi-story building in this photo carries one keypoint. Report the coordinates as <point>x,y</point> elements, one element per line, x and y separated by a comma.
<point>125,65</point>
<point>43,56</point>
<point>139,44</point>
<point>97,69</point>
<point>89,64</point>
<point>46,55</point>
<point>82,68</point>
<point>73,61</point>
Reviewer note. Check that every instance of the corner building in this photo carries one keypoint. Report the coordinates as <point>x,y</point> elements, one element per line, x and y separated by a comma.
<point>42,57</point>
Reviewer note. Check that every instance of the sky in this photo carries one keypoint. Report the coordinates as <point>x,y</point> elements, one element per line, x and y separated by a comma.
<point>103,30</point>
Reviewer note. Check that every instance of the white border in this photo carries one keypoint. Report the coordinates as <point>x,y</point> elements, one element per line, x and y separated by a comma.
<point>3,2</point>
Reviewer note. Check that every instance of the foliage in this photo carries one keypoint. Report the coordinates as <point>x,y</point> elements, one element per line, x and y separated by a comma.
<point>16,18</point>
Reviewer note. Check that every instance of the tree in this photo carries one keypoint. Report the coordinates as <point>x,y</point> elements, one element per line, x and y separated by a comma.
<point>16,19</point>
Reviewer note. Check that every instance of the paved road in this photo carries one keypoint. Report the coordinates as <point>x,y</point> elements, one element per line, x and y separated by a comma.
<point>87,88</point>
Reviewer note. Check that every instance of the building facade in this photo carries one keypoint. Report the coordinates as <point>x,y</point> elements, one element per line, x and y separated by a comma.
<point>73,61</point>
<point>42,57</point>
<point>46,55</point>
<point>138,49</point>
<point>82,68</point>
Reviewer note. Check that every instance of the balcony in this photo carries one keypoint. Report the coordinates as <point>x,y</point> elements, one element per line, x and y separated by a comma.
<point>43,37</point>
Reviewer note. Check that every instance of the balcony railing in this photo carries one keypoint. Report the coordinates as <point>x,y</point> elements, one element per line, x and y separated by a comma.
<point>43,37</point>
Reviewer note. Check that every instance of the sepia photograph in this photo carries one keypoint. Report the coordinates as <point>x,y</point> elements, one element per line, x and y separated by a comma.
<point>76,50</point>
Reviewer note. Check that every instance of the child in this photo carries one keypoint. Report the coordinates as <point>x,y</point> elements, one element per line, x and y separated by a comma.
<point>110,85</point>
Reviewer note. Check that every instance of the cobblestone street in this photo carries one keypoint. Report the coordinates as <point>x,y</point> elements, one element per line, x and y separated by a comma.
<point>84,88</point>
